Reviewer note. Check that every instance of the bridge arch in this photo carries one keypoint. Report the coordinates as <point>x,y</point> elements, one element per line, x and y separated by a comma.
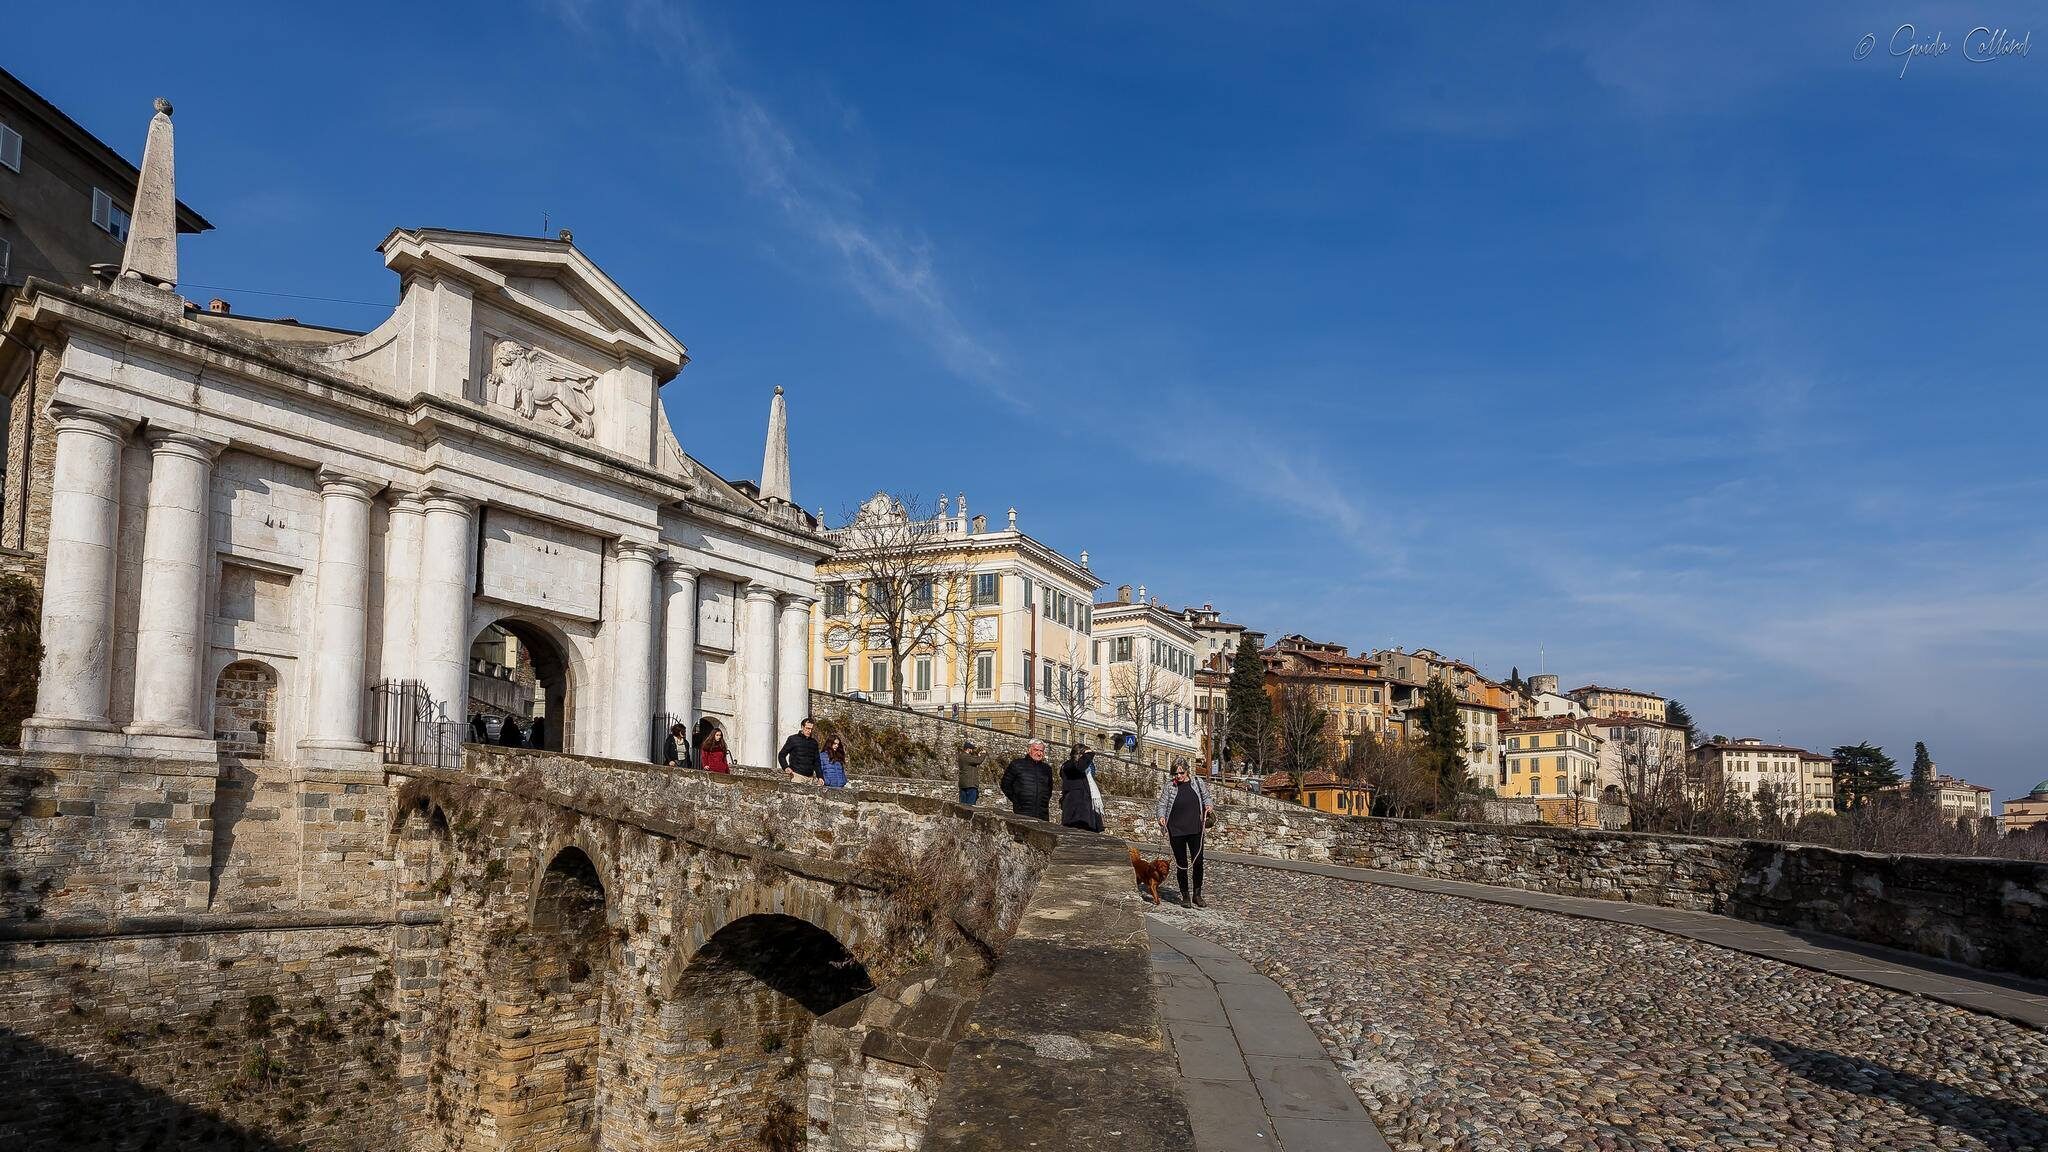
<point>557,862</point>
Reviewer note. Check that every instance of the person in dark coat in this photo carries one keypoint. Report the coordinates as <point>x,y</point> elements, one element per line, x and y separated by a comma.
<point>799,755</point>
<point>1183,810</point>
<point>967,762</point>
<point>1077,800</point>
<point>1028,783</point>
<point>508,734</point>
<point>675,748</point>
<point>537,733</point>
<point>478,730</point>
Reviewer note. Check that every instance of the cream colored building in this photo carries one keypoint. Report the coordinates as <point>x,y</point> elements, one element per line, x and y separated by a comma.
<point>1483,742</point>
<point>1015,641</point>
<point>1747,766</point>
<point>1605,702</point>
<point>2026,813</point>
<point>1636,755</point>
<point>1143,661</point>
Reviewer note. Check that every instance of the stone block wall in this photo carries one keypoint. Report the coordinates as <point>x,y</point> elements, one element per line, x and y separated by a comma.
<point>31,456</point>
<point>199,1041</point>
<point>245,709</point>
<point>932,740</point>
<point>1985,913</point>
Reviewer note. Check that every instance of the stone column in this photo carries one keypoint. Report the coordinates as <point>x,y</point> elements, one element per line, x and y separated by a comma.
<point>170,645</point>
<point>404,530</point>
<point>78,572</point>
<point>679,641</point>
<point>441,654</point>
<point>757,678</point>
<point>793,663</point>
<point>632,629</point>
<point>341,613</point>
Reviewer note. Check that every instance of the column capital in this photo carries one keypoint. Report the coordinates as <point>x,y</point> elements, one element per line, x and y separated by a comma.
<point>170,441</point>
<point>798,600</point>
<point>761,592</point>
<point>71,418</point>
<point>640,551</point>
<point>675,565</point>
<point>334,482</point>
<point>406,500</point>
<point>443,500</point>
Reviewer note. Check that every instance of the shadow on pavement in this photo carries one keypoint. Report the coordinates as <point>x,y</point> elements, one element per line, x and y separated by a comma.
<point>2000,1124</point>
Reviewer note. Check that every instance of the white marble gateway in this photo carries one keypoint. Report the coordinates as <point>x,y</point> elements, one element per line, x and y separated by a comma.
<point>341,509</point>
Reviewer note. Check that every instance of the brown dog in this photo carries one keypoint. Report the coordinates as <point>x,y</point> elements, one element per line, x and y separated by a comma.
<point>1151,873</point>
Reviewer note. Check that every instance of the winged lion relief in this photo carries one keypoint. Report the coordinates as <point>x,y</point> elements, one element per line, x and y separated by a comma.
<point>533,383</point>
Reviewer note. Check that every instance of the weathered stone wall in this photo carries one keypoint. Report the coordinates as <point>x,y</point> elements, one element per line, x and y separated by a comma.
<point>199,1041</point>
<point>31,455</point>
<point>929,741</point>
<point>1985,913</point>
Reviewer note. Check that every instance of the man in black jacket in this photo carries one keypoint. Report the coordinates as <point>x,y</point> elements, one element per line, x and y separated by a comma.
<point>799,755</point>
<point>1028,783</point>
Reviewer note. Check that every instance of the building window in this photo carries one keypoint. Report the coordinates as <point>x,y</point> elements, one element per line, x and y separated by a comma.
<point>835,677</point>
<point>1046,679</point>
<point>835,599</point>
<point>878,675</point>
<point>1560,785</point>
<point>1120,650</point>
<point>109,216</point>
<point>10,148</point>
<point>924,673</point>
<point>1095,652</point>
<point>878,598</point>
<point>920,596</point>
<point>985,671</point>
<point>988,588</point>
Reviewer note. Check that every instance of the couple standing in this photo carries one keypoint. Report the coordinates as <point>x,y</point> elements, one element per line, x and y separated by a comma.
<point>1027,783</point>
<point>806,761</point>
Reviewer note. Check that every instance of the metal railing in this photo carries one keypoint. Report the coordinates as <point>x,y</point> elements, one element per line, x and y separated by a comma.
<point>410,727</point>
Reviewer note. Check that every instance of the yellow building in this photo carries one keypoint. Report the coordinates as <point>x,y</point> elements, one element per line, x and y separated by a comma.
<point>1008,623</point>
<point>1551,759</point>
<point>1321,791</point>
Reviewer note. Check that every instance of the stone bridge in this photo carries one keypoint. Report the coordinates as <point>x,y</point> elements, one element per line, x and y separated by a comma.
<point>533,951</point>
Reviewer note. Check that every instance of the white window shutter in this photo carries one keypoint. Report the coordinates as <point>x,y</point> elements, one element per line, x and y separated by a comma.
<point>10,147</point>
<point>102,209</point>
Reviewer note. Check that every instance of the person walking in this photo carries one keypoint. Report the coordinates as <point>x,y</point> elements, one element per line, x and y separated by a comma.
<point>1028,783</point>
<point>832,763</point>
<point>799,755</point>
<point>675,749</point>
<point>1184,808</point>
<point>1079,807</point>
<point>711,748</point>
<point>967,763</point>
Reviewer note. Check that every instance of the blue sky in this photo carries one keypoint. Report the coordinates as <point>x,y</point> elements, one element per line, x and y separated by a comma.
<point>1671,342</point>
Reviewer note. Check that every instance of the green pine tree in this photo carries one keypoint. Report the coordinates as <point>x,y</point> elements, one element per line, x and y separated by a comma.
<point>1861,772</point>
<point>1676,715</point>
<point>1250,709</point>
<point>1922,787</point>
<point>1443,740</point>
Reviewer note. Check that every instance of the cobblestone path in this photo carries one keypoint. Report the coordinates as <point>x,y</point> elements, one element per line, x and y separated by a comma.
<point>1471,1026</point>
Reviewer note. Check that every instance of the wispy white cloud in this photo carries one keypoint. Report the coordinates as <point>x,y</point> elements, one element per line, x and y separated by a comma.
<point>889,267</point>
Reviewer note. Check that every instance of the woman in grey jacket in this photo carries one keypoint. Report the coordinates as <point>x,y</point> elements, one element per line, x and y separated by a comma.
<point>1183,810</point>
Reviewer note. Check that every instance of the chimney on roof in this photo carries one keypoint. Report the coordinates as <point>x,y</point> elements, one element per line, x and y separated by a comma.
<point>1208,607</point>
<point>218,306</point>
<point>1123,593</point>
<point>1013,519</point>
<point>1084,559</point>
<point>1141,593</point>
<point>980,525</point>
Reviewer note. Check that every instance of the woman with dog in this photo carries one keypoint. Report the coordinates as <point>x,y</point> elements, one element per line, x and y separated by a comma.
<point>1184,808</point>
<point>1079,807</point>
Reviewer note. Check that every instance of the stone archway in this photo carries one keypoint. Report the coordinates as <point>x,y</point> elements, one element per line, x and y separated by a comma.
<point>245,709</point>
<point>547,989</point>
<point>523,669</point>
<point>254,810</point>
<point>739,1018</point>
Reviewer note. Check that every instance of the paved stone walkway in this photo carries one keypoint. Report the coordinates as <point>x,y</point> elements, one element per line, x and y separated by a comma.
<point>2014,998</point>
<point>1490,1023</point>
<point>1257,1079</point>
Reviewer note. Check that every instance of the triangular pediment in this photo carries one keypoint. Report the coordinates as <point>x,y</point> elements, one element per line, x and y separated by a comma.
<point>546,280</point>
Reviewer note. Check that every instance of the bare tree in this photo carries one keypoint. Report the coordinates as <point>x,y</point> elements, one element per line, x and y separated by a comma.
<point>1072,695</point>
<point>1303,732</point>
<point>1142,691</point>
<point>907,581</point>
<point>1402,785</point>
